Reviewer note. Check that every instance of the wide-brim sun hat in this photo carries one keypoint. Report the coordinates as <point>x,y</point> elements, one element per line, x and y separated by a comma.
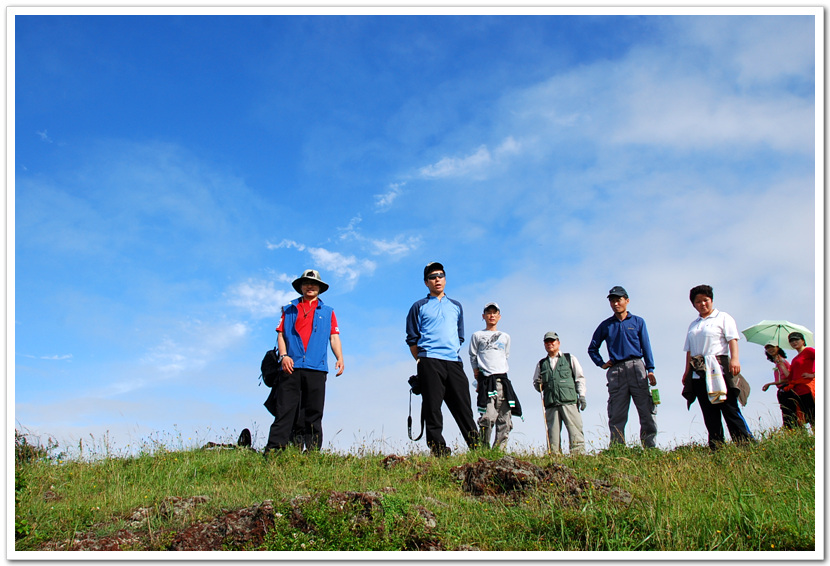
<point>311,275</point>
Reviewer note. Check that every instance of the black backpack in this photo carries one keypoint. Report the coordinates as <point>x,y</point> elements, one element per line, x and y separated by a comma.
<point>270,368</point>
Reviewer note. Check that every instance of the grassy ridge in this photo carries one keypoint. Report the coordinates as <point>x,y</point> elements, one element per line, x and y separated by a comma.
<point>758,498</point>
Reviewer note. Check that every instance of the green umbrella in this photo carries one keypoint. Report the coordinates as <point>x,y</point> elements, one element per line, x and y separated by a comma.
<point>776,331</point>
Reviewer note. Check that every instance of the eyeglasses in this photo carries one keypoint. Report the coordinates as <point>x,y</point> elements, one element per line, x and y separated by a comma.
<point>435,276</point>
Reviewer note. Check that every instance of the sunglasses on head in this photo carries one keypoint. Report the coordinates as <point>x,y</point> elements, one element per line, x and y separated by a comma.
<point>435,276</point>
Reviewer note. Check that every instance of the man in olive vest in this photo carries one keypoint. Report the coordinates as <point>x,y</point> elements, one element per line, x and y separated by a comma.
<point>560,379</point>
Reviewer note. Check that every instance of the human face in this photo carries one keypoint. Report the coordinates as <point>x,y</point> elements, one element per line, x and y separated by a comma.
<point>797,343</point>
<point>310,290</point>
<point>552,347</point>
<point>491,317</point>
<point>618,304</point>
<point>435,282</point>
<point>703,305</point>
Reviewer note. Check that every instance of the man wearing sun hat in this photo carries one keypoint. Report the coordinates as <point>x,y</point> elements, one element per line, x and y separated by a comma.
<point>307,328</point>
<point>434,333</point>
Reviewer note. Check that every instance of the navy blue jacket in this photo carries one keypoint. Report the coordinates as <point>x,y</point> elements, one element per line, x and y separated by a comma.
<point>625,339</point>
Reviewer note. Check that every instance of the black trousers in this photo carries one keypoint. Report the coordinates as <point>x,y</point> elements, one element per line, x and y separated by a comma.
<point>807,404</point>
<point>301,399</point>
<point>443,381</point>
<point>788,401</point>
<point>729,410</point>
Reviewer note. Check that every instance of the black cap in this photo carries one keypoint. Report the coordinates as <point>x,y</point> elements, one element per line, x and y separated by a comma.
<point>617,291</point>
<point>432,266</point>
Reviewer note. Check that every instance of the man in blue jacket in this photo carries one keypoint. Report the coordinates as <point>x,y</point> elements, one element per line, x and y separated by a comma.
<point>630,368</point>
<point>434,333</point>
<point>306,329</point>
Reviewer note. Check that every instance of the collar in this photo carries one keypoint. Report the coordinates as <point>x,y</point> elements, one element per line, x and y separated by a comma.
<point>299,300</point>
<point>714,313</point>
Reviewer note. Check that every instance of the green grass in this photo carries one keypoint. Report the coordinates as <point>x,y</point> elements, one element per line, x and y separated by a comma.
<point>756,498</point>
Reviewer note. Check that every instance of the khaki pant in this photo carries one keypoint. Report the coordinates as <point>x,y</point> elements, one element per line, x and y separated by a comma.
<point>569,415</point>
<point>497,415</point>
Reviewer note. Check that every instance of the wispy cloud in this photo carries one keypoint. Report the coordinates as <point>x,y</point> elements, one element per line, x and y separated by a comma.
<point>348,267</point>
<point>196,345</point>
<point>285,244</point>
<point>384,201</point>
<point>57,357</point>
<point>44,136</point>
<point>458,166</point>
<point>260,298</point>
<point>398,246</point>
<point>475,165</point>
<point>345,266</point>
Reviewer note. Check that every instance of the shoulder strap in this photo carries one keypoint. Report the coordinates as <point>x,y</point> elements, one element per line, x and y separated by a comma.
<point>409,421</point>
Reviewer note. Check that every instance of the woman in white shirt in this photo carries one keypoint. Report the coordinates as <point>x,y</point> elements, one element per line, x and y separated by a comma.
<point>711,362</point>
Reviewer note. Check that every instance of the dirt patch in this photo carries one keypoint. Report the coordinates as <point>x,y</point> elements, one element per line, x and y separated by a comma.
<point>238,530</point>
<point>509,477</point>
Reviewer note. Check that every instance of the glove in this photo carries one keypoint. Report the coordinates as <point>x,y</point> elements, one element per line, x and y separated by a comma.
<point>582,403</point>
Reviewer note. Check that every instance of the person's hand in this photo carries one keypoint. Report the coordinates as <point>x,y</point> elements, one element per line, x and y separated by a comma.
<point>734,366</point>
<point>608,364</point>
<point>339,366</point>
<point>287,365</point>
<point>765,387</point>
<point>651,379</point>
<point>582,403</point>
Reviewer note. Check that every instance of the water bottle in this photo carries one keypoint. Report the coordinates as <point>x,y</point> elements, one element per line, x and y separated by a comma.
<point>655,396</point>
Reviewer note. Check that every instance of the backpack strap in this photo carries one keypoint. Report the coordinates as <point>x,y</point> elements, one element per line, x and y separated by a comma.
<point>409,421</point>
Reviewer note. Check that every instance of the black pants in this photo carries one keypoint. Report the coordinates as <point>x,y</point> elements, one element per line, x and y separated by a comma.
<point>729,410</point>
<point>444,381</point>
<point>807,404</point>
<point>788,401</point>
<point>301,397</point>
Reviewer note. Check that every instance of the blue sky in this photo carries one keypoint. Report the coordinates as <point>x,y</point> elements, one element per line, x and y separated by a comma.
<point>173,175</point>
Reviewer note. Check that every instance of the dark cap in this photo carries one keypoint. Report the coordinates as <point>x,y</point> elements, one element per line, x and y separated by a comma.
<point>432,266</point>
<point>617,291</point>
<point>794,335</point>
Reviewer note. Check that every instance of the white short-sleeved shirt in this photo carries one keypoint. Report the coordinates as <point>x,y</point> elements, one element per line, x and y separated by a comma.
<point>711,335</point>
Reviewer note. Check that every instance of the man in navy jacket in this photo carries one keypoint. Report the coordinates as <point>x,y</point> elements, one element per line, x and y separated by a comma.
<point>630,368</point>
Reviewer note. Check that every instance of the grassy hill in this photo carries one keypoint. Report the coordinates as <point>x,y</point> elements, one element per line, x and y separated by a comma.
<point>756,498</point>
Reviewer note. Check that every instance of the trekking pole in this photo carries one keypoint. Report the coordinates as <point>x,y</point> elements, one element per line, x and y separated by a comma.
<point>545,418</point>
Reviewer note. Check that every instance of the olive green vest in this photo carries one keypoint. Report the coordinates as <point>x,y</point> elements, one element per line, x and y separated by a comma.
<point>559,383</point>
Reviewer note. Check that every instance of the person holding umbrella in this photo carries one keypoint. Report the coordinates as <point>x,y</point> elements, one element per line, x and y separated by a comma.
<point>800,375</point>
<point>712,369</point>
<point>787,399</point>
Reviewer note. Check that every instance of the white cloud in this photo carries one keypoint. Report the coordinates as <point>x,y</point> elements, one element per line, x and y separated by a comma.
<point>383,202</point>
<point>261,298</point>
<point>476,165</point>
<point>473,164</point>
<point>400,246</point>
<point>44,136</point>
<point>285,244</point>
<point>196,345</point>
<point>348,267</point>
<point>57,357</point>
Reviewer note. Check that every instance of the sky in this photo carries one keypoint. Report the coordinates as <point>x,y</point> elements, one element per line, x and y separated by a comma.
<point>173,174</point>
